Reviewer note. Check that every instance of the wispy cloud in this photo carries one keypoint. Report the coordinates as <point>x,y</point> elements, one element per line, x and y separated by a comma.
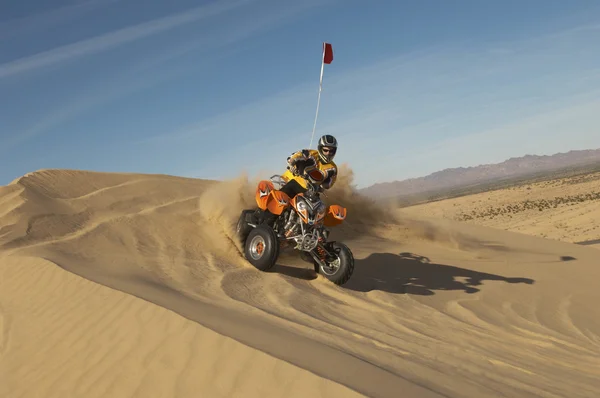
<point>230,34</point>
<point>282,109</point>
<point>139,78</point>
<point>83,103</point>
<point>149,70</point>
<point>48,19</point>
<point>117,38</point>
<point>436,108</point>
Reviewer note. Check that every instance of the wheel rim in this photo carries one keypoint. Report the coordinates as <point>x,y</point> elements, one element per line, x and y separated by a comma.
<point>257,247</point>
<point>332,267</point>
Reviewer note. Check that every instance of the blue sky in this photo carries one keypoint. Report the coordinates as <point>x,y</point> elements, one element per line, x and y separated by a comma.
<point>212,89</point>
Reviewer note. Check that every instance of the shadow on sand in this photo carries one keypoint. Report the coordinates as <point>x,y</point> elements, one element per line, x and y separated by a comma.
<point>588,242</point>
<point>405,273</point>
<point>306,274</point>
<point>409,273</point>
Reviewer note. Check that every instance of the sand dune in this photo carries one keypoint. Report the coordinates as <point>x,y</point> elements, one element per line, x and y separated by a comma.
<point>128,285</point>
<point>65,336</point>
<point>565,209</point>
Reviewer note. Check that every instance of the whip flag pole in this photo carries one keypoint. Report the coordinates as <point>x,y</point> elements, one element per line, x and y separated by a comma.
<point>326,59</point>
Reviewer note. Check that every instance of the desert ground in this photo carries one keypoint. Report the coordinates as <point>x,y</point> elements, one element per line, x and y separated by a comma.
<point>132,285</point>
<point>565,209</point>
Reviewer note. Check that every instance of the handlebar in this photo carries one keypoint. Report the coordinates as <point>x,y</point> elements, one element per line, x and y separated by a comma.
<point>314,188</point>
<point>300,167</point>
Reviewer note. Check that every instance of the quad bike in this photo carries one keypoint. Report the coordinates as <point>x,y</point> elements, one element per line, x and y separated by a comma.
<point>301,222</point>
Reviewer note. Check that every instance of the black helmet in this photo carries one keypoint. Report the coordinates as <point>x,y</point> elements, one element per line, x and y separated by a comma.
<point>330,142</point>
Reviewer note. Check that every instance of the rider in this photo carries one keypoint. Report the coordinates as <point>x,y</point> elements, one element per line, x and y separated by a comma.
<point>322,159</point>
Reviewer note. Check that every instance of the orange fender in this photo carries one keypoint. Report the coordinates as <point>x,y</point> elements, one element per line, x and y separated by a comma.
<point>277,202</point>
<point>294,202</point>
<point>336,214</point>
<point>263,191</point>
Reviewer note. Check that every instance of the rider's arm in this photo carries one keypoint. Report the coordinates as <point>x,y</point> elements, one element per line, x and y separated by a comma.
<point>302,156</point>
<point>299,155</point>
<point>330,178</point>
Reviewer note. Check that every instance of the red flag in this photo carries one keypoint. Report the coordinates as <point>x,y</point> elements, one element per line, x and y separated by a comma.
<point>327,58</point>
<point>327,53</point>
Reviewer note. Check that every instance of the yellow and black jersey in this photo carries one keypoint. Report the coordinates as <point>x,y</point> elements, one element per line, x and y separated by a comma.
<point>311,157</point>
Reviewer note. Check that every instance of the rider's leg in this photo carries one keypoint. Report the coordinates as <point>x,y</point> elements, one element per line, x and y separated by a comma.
<point>292,188</point>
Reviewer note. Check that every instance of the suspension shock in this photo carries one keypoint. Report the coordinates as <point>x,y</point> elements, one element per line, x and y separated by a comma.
<point>322,253</point>
<point>290,220</point>
<point>291,231</point>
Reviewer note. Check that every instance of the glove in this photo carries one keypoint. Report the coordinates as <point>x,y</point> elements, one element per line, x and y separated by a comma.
<point>293,165</point>
<point>298,164</point>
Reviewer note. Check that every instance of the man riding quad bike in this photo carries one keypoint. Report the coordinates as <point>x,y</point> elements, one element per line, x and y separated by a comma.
<point>321,159</point>
<point>294,213</point>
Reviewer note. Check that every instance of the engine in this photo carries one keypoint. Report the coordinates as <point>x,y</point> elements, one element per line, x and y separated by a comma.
<point>304,225</point>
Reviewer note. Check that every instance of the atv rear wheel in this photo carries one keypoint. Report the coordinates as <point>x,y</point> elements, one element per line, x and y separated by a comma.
<point>340,270</point>
<point>262,248</point>
<point>242,228</point>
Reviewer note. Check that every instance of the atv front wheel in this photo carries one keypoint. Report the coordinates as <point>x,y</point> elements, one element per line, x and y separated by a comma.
<point>262,248</point>
<point>339,270</point>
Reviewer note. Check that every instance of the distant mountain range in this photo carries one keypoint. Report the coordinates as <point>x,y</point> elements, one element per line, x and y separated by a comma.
<point>465,176</point>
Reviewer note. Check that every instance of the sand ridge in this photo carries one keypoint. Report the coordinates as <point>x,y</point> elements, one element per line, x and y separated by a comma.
<point>434,309</point>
